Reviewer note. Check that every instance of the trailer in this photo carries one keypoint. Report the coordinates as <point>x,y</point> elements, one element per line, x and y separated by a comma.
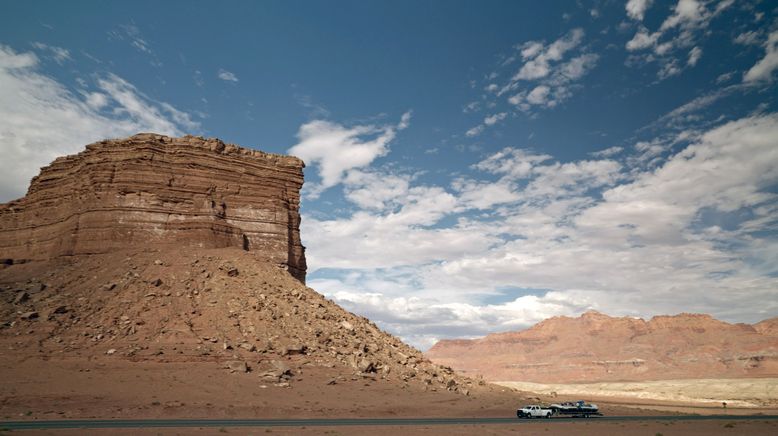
<point>575,409</point>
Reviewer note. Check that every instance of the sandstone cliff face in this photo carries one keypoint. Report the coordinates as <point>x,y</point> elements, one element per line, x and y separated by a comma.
<point>595,347</point>
<point>150,190</point>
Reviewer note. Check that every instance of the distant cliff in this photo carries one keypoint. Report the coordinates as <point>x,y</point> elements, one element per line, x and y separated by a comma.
<point>596,347</point>
<point>149,190</point>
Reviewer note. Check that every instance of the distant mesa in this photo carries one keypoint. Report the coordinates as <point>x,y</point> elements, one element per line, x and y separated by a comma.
<point>151,190</point>
<point>596,348</point>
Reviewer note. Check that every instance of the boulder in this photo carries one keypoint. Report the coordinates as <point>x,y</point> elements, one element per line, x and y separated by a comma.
<point>275,370</point>
<point>29,315</point>
<point>366,365</point>
<point>237,366</point>
<point>293,349</point>
<point>21,297</point>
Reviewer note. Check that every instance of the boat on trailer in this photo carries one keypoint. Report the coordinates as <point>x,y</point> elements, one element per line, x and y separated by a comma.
<point>576,408</point>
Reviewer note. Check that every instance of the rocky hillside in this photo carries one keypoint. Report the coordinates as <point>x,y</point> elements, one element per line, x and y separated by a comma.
<point>597,347</point>
<point>157,249</point>
<point>150,190</point>
<point>226,306</point>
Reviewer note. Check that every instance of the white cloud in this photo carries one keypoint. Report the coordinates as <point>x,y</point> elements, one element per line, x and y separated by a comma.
<point>133,105</point>
<point>336,149</point>
<point>608,152</point>
<point>636,9</point>
<point>41,119</point>
<point>132,34</point>
<point>493,119</point>
<point>553,77</point>
<point>548,238</point>
<point>474,131</point>
<point>488,121</point>
<point>642,39</point>
<point>197,77</point>
<point>423,321</point>
<point>763,69</point>
<point>531,49</point>
<point>540,59</point>
<point>539,95</point>
<point>669,69</point>
<point>687,12</point>
<point>748,38</point>
<point>374,190</point>
<point>694,55</point>
<point>679,31</point>
<point>97,100</point>
<point>405,120</point>
<point>577,67</point>
<point>392,237</point>
<point>725,77</point>
<point>678,116</point>
<point>513,162</point>
<point>479,195</point>
<point>59,54</point>
<point>473,106</point>
<point>227,76</point>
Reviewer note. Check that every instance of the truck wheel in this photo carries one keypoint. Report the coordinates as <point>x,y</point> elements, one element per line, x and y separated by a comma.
<point>548,415</point>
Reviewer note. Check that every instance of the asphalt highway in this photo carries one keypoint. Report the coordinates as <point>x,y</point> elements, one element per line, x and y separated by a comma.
<point>171,423</point>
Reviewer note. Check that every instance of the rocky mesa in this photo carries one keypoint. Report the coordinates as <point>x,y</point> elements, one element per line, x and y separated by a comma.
<point>154,190</point>
<point>155,270</point>
<point>596,348</point>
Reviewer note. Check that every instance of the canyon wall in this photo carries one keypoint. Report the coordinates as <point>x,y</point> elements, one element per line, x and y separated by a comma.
<point>597,348</point>
<point>151,190</point>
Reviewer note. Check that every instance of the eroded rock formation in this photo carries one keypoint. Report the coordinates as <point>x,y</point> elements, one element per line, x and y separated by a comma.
<point>596,347</point>
<point>152,190</point>
<point>185,250</point>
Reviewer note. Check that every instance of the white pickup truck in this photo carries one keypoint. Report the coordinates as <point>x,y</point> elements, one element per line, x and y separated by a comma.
<point>534,411</point>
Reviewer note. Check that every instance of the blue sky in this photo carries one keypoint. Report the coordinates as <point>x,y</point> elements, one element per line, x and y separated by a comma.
<point>472,166</point>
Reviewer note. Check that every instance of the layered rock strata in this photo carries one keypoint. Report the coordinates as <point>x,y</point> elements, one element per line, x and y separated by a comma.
<point>595,347</point>
<point>151,190</point>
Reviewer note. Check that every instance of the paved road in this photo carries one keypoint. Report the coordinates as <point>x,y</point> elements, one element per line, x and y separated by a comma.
<point>152,423</point>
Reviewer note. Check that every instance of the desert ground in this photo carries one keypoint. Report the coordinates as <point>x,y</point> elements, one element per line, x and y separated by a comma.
<point>55,388</point>
<point>738,394</point>
<point>539,428</point>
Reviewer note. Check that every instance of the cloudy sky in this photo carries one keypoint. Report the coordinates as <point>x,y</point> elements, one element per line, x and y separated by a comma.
<point>472,167</point>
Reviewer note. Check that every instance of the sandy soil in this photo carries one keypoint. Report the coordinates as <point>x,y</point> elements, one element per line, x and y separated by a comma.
<point>588,428</point>
<point>106,387</point>
<point>737,393</point>
<point>114,388</point>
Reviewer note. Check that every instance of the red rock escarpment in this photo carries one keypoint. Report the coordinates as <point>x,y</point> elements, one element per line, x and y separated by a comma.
<point>595,347</point>
<point>150,190</point>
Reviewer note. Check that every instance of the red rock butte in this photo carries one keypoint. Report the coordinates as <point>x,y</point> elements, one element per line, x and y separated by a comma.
<point>154,190</point>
